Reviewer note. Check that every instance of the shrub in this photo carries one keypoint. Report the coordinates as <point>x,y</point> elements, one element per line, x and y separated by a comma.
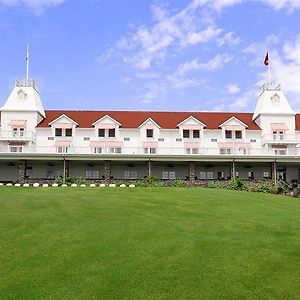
<point>70,180</point>
<point>238,185</point>
<point>216,185</point>
<point>58,180</point>
<point>80,181</point>
<point>178,183</point>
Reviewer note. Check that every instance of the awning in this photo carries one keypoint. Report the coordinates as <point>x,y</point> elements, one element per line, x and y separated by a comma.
<point>279,126</point>
<point>150,144</point>
<point>16,143</point>
<point>226,145</point>
<point>114,144</point>
<point>244,145</point>
<point>279,146</point>
<point>63,125</point>
<point>62,143</point>
<point>234,127</point>
<point>106,125</point>
<point>191,145</point>
<point>17,123</point>
<point>97,143</point>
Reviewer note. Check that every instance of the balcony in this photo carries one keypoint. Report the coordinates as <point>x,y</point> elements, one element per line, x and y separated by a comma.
<point>24,136</point>
<point>280,139</point>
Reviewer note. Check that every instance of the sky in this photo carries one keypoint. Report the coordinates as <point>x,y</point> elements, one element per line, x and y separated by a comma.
<point>165,55</point>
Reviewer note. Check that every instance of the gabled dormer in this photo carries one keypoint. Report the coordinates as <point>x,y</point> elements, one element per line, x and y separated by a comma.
<point>233,128</point>
<point>63,127</point>
<point>23,104</point>
<point>107,127</point>
<point>273,108</point>
<point>149,129</point>
<point>191,128</point>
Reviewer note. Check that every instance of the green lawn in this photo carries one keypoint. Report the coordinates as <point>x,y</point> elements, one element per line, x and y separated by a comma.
<point>156,243</point>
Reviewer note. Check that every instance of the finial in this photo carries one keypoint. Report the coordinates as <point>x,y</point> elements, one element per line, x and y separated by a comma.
<point>27,63</point>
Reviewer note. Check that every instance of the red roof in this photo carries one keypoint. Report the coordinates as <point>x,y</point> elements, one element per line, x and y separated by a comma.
<point>133,119</point>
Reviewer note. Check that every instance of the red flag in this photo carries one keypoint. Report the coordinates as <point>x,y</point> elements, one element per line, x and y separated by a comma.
<point>266,61</point>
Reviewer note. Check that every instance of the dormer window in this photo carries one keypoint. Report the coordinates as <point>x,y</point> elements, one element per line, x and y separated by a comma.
<point>58,131</point>
<point>196,134</point>
<point>112,132</point>
<point>238,134</point>
<point>228,134</point>
<point>101,132</point>
<point>186,133</point>
<point>68,132</point>
<point>149,133</point>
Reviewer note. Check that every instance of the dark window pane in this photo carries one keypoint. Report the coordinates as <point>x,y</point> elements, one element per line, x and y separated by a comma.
<point>101,132</point>
<point>69,132</point>
<point>111,132</point>
<point>149,133</point>
<point>196,134</point>
<point>238,134</point>
<point>186,133</point>
<point>58,132</point>
<point>228,134</point>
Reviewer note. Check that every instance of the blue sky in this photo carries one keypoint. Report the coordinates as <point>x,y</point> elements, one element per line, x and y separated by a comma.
<point>183,55</point>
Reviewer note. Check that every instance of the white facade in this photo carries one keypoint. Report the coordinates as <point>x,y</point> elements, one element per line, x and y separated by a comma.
<point>28,133</point>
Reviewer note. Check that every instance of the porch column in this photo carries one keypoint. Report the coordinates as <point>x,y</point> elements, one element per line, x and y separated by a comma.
<point>192,172</point>
<point>107,170</point>
<point>274,171</point>
<point>22,171</point>
<point>66,171</point>
<point>149,167</point>
<point>232,171</point>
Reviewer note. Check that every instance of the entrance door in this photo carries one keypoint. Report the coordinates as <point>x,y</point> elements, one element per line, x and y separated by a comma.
<point>281,175</point>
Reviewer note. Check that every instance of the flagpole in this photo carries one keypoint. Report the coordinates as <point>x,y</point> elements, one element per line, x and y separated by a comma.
<point>27,63</point>
<point>269,68</point>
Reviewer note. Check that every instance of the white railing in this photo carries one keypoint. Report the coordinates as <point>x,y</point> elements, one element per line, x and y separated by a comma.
<point>280,138</point>
<point>161,151</point>
<point>17,136</point>
<point>26,83</point>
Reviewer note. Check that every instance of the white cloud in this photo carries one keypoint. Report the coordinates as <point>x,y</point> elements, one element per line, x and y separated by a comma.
<point>216,62</point>
<point>36,6</point>
<point>232,88</point>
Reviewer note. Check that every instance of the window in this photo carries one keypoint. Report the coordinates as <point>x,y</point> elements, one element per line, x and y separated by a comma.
<point>18,132</point>
<point>221,175</point>
<point>188,151</point>
<point>238,134</point>
<point>168,175</point>
<point>115,150</point>
<point>251,175</point>
<point>126,139</point>
<point>86,138</point>
<point>225,151</point>
<point>210,175</point>
<point>278,135</point>
<point>112,132</point>
<point>149,150</point>
<point>130,174</point>
<point>58,131</point>
<point>228,134</point>
<point>28,172</point>
<point>15,132</point>
<point>195,150</point>
<point>68,132</point>
<point>92,174</point>
<point>16,149</point>
<point>202,175</point>
<point>266,175</point>
<point>22,131</point>
<point>97,150</point>
<point>161,139</point>
<point>62,150</point>
<point>186,134</point>
<point>178,140</point>
<point>280,152</point>
<point>196,134</point>
<point>149,133</point>
<point>101,132</point>
<point>50,138</point>
<point>252,141</point>
<point>214,140</point>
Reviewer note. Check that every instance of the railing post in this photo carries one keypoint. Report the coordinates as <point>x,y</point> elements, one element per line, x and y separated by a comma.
<point>233,173</point>
<point>149,167</point>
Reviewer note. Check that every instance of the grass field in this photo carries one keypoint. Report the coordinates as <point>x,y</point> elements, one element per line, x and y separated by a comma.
<point>156,243</point>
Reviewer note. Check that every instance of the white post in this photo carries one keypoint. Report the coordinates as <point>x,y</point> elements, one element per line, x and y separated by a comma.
<point>269,68</point>
<point>27,63</point>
